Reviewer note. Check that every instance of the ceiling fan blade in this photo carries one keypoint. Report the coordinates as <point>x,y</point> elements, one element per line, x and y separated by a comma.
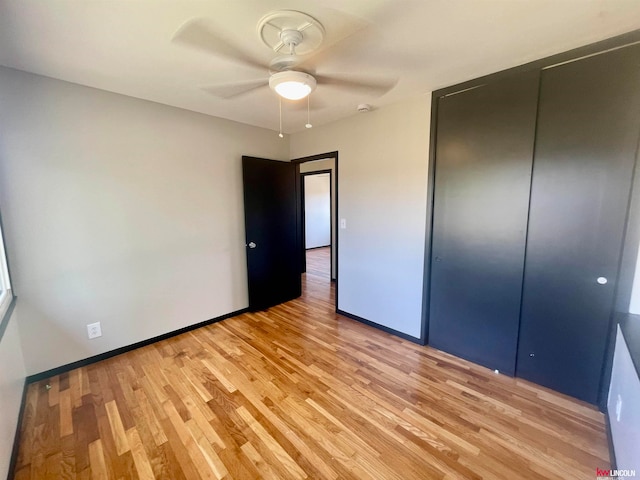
<point>196,33</point>
<point>366,85</point>
<point>230,90</point>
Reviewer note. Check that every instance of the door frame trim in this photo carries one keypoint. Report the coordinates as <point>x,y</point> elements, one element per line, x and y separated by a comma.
<point>324,156</point>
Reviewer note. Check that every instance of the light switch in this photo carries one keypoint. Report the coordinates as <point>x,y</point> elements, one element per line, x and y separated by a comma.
<point>343,223</point>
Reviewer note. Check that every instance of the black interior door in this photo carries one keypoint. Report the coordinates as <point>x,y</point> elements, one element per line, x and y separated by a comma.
<point>588,124</point>
<point>271,225</point>
<point>484,153</point>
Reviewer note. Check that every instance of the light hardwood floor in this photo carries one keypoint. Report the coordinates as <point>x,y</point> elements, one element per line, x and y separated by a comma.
<point>300,392</point>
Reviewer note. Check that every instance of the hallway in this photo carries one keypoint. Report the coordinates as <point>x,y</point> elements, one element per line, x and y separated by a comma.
<point>316,283</point>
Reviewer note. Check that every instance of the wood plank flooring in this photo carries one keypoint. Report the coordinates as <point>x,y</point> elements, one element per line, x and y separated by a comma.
<point>300,392</point>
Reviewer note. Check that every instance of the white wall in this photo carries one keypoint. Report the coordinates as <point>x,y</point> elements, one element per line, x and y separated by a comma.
<point>12,375</point>
<point>327,164</point>
<point>383,157</point>
<point>625,388</point>
<point>317,210</point>
<point>119,211</point>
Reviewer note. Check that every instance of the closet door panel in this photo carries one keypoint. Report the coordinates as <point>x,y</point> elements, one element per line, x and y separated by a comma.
<point>586,142</point>
<point>484,154</point>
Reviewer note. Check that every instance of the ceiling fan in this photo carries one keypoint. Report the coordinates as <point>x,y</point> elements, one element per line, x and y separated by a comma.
<point>293,36</point>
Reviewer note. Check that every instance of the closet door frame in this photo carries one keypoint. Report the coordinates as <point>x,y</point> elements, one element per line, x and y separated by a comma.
<point>632,234</point>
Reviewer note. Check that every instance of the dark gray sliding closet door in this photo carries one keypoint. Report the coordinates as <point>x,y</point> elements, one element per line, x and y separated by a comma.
<point>587,135</point>
<point>484,154</point>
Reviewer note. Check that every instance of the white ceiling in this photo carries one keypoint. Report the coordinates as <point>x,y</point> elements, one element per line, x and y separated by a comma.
<point>126,46</point>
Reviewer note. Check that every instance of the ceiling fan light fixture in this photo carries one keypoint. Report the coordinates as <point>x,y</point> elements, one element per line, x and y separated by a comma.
<point>292,85</point>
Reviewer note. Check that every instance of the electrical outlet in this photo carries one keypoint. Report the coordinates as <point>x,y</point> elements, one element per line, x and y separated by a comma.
<point>618,408</point>
<point>343,223</point>
<point>94,330</point>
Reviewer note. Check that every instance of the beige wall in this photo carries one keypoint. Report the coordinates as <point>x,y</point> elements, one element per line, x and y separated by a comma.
<point>12,375</point>
<point>383,158</point>
<point>119,211</point>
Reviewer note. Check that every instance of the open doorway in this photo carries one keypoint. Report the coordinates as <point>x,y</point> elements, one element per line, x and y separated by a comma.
<point>318,225</point>
<point>316,219</point>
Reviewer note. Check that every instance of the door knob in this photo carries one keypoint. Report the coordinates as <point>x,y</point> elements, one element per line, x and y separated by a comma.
<point>252,245</point>
<point>602,280</point>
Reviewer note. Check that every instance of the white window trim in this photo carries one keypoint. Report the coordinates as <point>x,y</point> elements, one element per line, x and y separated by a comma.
<point>5,302</point>
<point>6,295</point>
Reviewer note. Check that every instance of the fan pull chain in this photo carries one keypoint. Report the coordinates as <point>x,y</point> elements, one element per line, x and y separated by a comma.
<point>280,105</point>
<point>308,125</point>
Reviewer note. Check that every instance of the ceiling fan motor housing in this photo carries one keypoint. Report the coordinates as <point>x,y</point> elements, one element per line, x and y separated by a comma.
<point>283,62</point>
<point>291,38</point>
